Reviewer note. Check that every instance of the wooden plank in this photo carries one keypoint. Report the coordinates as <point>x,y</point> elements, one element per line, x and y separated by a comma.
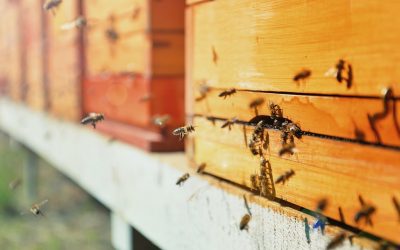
<point>192,2</point>
<point>168,55</point>
<point>334,116</point>
<point>261,45</point>
<point>33,43</point>
<point>167,15</point>
<point>63,63</point>
<point>338,171</point>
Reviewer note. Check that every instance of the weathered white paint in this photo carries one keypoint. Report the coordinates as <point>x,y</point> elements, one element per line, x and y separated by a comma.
<point>121,233</point>
<point>140,188</point>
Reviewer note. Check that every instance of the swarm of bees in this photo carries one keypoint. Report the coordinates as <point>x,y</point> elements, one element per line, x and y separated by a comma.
<point>182,131</point>
<point>92,118</point>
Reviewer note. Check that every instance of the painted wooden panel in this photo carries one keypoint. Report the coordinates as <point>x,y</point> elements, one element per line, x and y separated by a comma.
<point>32,14</point>
<point>63,63</point>
<point>262,45</point>
<point>332,116</point>
<point>338,171</point>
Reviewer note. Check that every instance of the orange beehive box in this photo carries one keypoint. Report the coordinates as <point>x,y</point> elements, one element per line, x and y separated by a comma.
<point>288,53</point>
<point>134,54</point>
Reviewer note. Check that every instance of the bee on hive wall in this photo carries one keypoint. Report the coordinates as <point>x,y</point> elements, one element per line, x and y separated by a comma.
<point>302,75</point>
<point>92,118</point>
<point>285,177</point>
<point>227,93</point>
<point>182,131</point>
<point>51,5</point>
<point>229,123</point>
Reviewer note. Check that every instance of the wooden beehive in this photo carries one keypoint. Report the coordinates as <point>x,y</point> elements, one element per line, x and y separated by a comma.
<point>351,136</point>
<point>135,68</point>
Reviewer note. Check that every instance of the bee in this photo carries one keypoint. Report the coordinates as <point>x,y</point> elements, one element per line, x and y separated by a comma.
<point>36,208</point>
<point>92,118</point>
<point>285,177</point>
<point>302,75</point>
<point>161,121</point>
<point>111,34</point>
<point>263,166</point>
<point>365,212</point>
<point>255,182</point>
<point>275,110</point>
<point>244,222</point>
<point>51,5</point>
<point>336,241</point>
<point>340,72</point>
<point>321,205</point>
<point>227,93</point>
<point>396,206</point>
<point>14,184</point>
<point>201,168</point>
<point>288,148</point>
<point>182,131</point>
<point>182,179</point>
<point>80,22</point>
<point>292,129</point>
<point>258,138</point>
<point>229,123</point>
<point>256,102</point>
<point>214,55</point>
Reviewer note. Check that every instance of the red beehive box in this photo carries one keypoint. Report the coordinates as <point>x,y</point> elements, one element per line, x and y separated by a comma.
<point>134,54</point>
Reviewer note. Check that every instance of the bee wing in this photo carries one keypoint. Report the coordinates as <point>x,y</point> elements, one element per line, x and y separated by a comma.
<point>42,203</point>
<point>331,72</point>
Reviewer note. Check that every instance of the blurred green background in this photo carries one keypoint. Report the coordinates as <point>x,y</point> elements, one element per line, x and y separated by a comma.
<point>73,219</point>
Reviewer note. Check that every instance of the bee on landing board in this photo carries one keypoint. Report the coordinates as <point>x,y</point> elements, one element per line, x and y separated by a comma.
<point>182,131</point>
<point>92,118</point>
<point>182,179</point>
<point>244,222</point>
<point>227,93</point>
<point>275,110</point>
<point>51,5</point>
<point>285,177</point>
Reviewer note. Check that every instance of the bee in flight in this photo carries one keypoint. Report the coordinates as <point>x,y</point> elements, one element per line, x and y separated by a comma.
<point>161,121</point>
<point>52,5</point>
<point>365,212</point>
<point>14,184</point>
<point>182,131</point>
<point>92,118</point>
<point>35,209</point>
<point>201,167</point>
<point>79,22</point>
<point>182,179</point>
<point>229,123</point>
<point>336,241</point>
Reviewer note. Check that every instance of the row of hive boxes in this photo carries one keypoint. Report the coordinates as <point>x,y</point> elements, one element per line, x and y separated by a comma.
<point>128,50</point>
<point>287,53</point>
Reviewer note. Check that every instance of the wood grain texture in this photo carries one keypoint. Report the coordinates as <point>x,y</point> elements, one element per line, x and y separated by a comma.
<point>63,63</point>
<point>261,45</point>
<point>338,171</point>
<point>333,116</point>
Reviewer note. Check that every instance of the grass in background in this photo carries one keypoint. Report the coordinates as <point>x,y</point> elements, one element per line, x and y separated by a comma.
<point>73,219</point>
